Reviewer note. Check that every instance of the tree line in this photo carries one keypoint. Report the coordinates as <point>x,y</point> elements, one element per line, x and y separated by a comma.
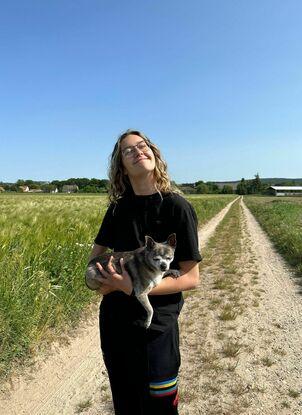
<point>244,187</point>
<point>85,185</point>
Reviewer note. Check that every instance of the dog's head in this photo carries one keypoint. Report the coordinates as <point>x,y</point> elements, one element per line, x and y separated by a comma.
<point>160,255</point>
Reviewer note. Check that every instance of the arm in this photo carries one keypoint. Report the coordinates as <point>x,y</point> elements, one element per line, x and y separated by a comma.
<point>96,251</point>
<point>188,280</point>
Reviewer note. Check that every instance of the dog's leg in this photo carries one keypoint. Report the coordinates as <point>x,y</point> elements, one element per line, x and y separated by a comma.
<point>175,273</point>
<point>144,300</point>
<point>92,277</point>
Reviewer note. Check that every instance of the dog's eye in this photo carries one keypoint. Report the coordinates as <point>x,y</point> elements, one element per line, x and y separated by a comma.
<point>156,258</point>
<point>168,258</point>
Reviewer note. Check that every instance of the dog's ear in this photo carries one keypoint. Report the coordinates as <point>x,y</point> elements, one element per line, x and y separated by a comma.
<point>172,240</point>
<point>149,242</point>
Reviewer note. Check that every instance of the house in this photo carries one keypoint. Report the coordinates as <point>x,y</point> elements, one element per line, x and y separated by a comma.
<point>286,190</point>
<point>70,188</point>
<point>2,189</point>
<point>24,188</point>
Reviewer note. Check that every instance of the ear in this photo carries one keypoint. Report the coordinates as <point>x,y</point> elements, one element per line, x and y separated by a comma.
<point>149,242</point>
<point>172,240</point>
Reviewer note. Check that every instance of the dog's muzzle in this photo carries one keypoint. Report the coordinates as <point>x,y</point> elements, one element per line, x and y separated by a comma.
<point>163,267</point>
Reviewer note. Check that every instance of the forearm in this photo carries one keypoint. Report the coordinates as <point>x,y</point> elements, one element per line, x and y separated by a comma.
<point>170,285</point>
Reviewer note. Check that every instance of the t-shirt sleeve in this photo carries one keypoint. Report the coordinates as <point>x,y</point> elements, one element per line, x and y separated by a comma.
<point>105,236</point>
<point>187,248</point>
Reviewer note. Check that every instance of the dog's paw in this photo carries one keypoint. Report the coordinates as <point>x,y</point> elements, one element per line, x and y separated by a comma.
<point>172,272</point>
<point>147,324</point>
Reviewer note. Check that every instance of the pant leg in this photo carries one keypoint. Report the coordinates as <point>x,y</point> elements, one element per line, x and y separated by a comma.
<point>128,388</point>
<point>164,362</point>
<point>125,356</point>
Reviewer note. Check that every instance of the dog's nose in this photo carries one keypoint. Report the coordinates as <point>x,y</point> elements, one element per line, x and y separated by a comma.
<point>163,267</point>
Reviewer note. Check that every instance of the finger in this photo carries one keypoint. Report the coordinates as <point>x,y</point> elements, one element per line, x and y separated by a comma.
<point>122,264</point>
<point>110,266</point>
<point>102,270</point>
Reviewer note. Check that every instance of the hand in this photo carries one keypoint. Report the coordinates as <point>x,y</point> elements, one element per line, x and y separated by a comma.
<point>113,280</point>
<point>105,289</point>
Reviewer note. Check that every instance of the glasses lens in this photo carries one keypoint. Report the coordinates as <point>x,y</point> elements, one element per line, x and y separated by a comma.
<point>142,146</point>
<point>127,151</point>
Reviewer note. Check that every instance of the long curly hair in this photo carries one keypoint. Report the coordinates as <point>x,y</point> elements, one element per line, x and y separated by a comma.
<point>119,182</point>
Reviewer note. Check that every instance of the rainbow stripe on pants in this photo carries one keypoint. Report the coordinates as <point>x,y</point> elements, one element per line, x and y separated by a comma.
<point>164,388</point>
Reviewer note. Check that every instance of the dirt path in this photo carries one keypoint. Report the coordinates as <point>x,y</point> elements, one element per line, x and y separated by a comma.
<point>249,362</point>
<point>264,377</point>
<point>279,318</point>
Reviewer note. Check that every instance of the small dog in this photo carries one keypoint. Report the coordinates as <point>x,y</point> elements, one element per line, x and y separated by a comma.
<point>146,266</point>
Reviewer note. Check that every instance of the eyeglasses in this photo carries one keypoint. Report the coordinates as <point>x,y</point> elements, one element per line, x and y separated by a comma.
<point>130,151</point>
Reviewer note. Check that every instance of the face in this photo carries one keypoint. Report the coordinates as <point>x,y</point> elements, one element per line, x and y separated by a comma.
<point>136,160</point>
<point>160,256</point>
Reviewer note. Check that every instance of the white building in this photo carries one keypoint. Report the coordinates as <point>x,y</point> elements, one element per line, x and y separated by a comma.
<point>286,190</point>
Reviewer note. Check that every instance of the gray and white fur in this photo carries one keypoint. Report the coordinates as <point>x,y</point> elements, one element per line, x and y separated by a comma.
<point>146,267</point>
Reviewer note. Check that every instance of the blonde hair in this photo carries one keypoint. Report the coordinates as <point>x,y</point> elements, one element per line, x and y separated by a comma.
<point>119,181</point>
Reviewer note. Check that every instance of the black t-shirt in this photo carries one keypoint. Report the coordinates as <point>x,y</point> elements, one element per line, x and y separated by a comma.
<point>124,227</point>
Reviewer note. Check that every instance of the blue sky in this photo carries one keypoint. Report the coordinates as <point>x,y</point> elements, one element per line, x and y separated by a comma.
<point>216,84</point>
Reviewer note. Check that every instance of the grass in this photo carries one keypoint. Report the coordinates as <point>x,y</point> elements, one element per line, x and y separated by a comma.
<point>281,218</point>
<point>267,361</point>
<point>228,313</point>
<point>45,242</point>
<point>82,406</point>
<point>231,348</point>
<point>207,206</point>
<point>293,393</point>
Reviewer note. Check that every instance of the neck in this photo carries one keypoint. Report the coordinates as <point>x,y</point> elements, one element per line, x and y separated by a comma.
<point>143,185</point>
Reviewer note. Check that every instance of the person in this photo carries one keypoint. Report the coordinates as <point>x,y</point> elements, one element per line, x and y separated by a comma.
<point>143,364</point>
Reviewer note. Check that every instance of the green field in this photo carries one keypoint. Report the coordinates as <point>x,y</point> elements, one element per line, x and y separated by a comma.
<point>45,242</point>
<point>281,218</point>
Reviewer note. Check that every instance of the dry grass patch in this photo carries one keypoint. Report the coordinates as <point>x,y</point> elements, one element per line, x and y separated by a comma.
<point>231,348</point>
<point>82,406</point>
<point>228,313</point>
<point>293,393</point>
<point>267,361</point>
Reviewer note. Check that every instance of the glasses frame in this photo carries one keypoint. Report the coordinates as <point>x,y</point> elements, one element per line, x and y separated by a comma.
<point>129,151</point>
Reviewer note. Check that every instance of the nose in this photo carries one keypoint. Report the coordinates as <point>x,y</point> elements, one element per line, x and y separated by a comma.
<point>138,151</point>
<point>163,266</point>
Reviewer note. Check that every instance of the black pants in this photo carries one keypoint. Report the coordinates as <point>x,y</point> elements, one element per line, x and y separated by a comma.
<point>142,366</point>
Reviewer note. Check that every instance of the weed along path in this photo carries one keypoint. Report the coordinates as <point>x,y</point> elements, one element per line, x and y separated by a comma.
<point>240,338</point>
<point>242,328</point>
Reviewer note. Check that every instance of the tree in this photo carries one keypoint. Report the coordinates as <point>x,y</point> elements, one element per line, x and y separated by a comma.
<point>202,188</point>
<point>227,189</point>
<point>241,187</point>
<point>195,184</point>
<point>48,188</point>
<point>212,187</point>
<point>255,185</point>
